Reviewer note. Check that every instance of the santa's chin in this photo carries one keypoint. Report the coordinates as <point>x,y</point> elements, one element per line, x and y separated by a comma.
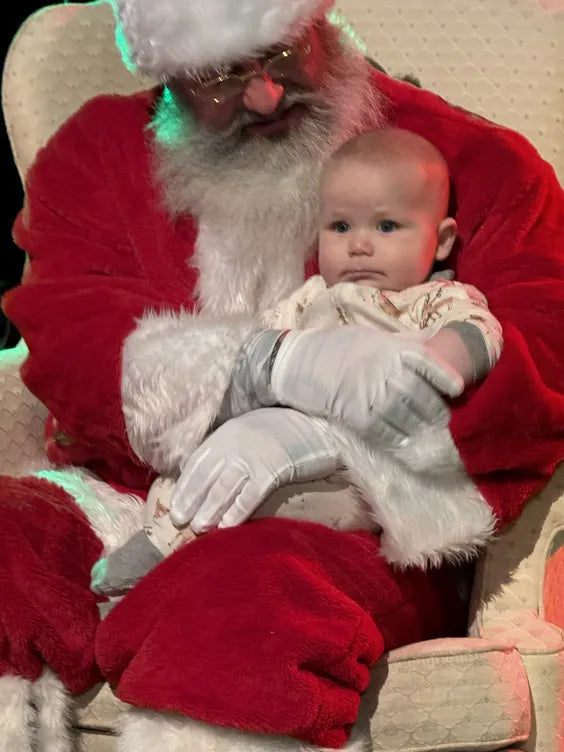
<point>278,126</point>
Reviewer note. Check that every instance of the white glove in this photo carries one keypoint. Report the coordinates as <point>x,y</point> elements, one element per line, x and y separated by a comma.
<point>383,386</point>
<point>380,384</point>
<point>241,463</point>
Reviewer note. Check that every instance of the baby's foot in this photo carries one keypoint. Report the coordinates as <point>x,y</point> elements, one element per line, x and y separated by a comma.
<point>118,572</point>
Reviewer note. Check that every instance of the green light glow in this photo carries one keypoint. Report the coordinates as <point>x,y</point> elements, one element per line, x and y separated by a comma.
<point>171,125</point>
<point>338,20</point>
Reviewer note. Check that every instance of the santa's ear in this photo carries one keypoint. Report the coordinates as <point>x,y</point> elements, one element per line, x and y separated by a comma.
<point>446,235</point>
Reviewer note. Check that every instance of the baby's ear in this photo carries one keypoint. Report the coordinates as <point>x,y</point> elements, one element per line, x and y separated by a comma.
<point>446,235</point>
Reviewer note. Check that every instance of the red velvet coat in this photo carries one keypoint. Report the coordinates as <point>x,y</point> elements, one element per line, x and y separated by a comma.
<point>103,251</point>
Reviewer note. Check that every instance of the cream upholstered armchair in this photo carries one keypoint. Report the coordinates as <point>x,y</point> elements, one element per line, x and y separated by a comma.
<point>502,687</point>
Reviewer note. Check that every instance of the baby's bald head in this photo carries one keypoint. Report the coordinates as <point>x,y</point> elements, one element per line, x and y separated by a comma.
<point>383,215</point>
<point>418,171</point>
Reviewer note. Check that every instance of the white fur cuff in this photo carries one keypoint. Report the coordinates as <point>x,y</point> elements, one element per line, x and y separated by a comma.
<point>176,369</point>
<point>16,714</point>
<point>147,731</point>
<point>427,505</point>
<point>34,715</point>
<point>175,36</point>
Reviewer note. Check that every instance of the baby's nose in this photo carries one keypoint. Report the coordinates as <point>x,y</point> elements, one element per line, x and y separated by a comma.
<point>262,95</point>
<point>361,246</point>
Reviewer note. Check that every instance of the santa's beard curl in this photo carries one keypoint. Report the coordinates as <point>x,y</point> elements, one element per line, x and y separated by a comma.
<point>256,198</point>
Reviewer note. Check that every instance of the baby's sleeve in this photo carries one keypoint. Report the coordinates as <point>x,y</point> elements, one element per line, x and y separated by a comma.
<point>289,313</point>
<point>465,309</point>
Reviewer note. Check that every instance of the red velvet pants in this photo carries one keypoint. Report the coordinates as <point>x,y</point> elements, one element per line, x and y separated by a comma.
<point>272,626</point>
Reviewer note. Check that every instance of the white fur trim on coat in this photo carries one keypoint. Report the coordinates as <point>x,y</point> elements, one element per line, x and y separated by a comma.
<point>176,370</point>
<point>16,715</point>
<point>175,36</point>
<point>54,716</point>
<point>428,507</point>
<point>147,731</point>
<point>113,516</point>
<point>34,715</point>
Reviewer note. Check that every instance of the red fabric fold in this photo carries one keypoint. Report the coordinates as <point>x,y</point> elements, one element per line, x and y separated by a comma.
<point>47,613</point>
<point>270,627</point>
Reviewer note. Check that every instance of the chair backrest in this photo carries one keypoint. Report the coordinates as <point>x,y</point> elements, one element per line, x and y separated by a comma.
<point>501,58</point>
<point>61,56</point>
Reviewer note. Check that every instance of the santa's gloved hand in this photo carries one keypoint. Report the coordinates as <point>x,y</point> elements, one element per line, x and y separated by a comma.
<point>241,463</point>
<point>383,386</point>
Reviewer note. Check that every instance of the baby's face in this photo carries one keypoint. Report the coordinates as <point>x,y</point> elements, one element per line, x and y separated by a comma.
<point>378,227</point>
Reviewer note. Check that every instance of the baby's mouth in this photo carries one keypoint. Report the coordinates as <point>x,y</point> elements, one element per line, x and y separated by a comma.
<point>354,275</point>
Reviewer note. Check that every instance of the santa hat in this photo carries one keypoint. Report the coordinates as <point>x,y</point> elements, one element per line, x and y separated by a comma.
<point>167,37</point>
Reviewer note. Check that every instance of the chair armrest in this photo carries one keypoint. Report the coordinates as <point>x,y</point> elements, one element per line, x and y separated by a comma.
<point>541,647</point>
<point>449,694</point>
<point>22,418</point>
<point>510,575</point>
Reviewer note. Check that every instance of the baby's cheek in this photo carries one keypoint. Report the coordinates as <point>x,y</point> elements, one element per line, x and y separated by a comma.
<point>330,257</point>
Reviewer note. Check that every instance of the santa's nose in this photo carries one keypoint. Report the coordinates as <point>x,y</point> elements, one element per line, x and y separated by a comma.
<point>262,95</point>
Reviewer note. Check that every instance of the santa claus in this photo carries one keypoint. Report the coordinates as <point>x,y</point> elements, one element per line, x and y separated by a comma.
<point>157,226</point>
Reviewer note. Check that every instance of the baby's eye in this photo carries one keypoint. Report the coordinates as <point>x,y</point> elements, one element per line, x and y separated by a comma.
<point>387,225</point>
<point>340,226</point>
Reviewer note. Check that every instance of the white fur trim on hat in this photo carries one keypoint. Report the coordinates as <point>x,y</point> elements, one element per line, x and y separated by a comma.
<point>174,36</point>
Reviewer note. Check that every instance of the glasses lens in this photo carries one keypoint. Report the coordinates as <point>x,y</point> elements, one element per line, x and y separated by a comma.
<point>283,65</point>
<point>221,91</point>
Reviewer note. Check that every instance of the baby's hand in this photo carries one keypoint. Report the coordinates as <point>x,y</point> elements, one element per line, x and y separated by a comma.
<point>448,350</point>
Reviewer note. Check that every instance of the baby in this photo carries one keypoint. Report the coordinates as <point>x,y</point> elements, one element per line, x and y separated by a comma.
<point>383,226</point>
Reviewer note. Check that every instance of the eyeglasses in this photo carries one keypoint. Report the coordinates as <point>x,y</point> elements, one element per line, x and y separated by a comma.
<point>284,65</point>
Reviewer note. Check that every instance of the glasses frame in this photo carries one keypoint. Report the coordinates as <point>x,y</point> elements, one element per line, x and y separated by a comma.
<point>261,69</point>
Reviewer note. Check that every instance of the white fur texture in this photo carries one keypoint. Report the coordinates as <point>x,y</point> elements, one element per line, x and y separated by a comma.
<point>114,516</point>
<point>176,369</point>
<point>146,731</point>
<point>53,718</point>
<point>421,496</point>
<point>16,715</point>
<point>174,36</point>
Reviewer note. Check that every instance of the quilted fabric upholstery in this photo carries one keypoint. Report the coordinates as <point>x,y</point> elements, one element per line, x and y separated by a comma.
<point>503,59</point>
<point>541,646</point>
<point>71,43</point>
<point>469,694</point>
<point>93,741</point>
<point>511,573</point>
<point>98,709</point>
<point>508,605</point>
<point>21,419</point>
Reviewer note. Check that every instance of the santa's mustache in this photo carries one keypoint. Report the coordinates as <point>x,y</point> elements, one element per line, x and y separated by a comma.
<point>315,103</point>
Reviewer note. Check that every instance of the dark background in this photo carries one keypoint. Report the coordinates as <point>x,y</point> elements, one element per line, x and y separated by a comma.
<point>11,258</point>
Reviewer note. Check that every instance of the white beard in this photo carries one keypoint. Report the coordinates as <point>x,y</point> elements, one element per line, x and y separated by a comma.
<point>256,199</point>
